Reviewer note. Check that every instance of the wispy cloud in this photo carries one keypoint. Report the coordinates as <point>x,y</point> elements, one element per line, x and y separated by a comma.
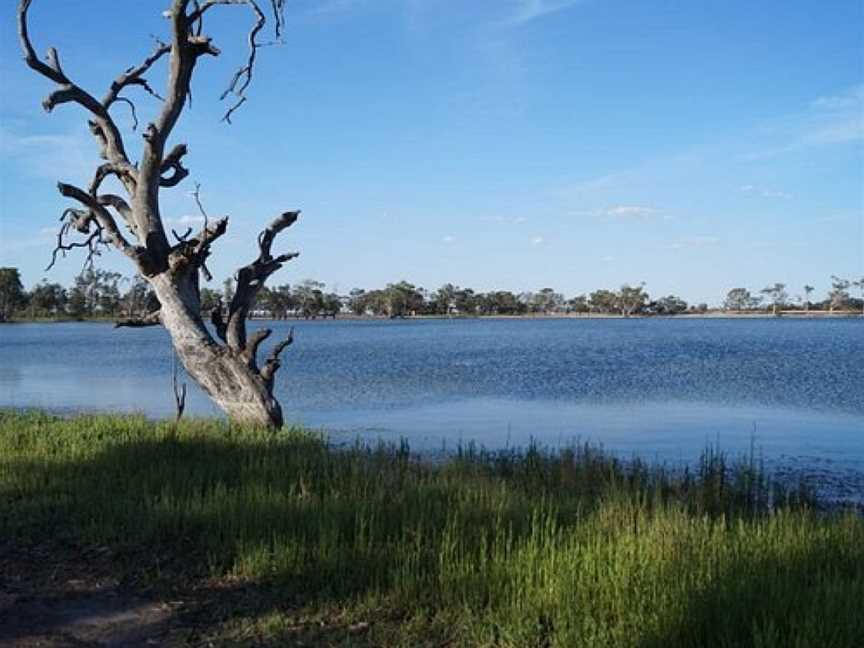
<point>693,242</point>
<point>853,99</point>
<point>765,193</point>
<point>41,239</point>
<point>187,220</point>
<point>829,120</point>
<point>537,240</point>
<point>630,212</point>
<point>449,238</point>
<point>776,194</point>
<point>67,157</point>
<point>528,10</point>
<point>505,220</point>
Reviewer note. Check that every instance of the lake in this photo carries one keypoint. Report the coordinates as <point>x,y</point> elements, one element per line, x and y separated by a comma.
<point>660,388</point>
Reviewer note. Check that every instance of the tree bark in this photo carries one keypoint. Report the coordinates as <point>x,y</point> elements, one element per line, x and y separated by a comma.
<point>223,373</point>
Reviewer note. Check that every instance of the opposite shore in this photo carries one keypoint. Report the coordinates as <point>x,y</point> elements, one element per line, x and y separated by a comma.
<point>718,314</point>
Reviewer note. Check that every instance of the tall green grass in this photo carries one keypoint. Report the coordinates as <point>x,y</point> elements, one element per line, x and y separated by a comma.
<point>530,548</point>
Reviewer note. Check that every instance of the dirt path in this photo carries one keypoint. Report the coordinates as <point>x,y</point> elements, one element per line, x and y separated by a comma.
<point>68,598</point>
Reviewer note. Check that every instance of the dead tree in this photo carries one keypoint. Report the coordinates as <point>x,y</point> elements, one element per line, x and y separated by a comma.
<point>227,368</point>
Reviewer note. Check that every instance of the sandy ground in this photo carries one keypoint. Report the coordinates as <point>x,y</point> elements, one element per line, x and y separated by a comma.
<point>69,598</point>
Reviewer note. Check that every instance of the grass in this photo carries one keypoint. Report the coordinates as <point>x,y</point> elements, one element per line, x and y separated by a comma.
<point>370,546</point>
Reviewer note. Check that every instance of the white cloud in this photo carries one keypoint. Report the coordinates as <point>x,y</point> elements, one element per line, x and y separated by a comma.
<point>830,120</point>
<point>630,211</point>
<point>608,259</point>
<point>765,193</point>
<point>449,238</point>
<point>527,10</point>
<point>537,240</point>
<point>187,219</point>
<point>505,220</point>
<point>853,99</point>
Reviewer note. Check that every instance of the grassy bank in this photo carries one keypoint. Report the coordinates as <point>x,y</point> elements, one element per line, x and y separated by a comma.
<point>372,547</point>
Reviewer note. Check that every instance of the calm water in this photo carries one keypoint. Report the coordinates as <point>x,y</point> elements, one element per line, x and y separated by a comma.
<point>662,388</point>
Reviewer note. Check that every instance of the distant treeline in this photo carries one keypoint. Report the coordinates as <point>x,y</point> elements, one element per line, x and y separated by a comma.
<point>101,294</point>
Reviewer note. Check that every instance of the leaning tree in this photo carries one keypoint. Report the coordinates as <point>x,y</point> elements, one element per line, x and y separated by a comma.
<point>227,368</point>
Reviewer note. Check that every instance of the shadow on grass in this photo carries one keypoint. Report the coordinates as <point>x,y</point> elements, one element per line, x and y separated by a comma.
<point>251,525</point>
<point>812,597</point>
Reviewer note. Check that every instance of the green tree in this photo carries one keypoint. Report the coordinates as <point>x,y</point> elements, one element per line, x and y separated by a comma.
<point>403,299</point>
<point>96,292</point>
<point>444,299</point>
<point>11,292</point>
<point>466,301</point>
<point>859,284</point>
<point>310,298</point>
<point>139,300</point>
<point>547,301</point>
<point>839,296</point>
<point>76,304</point>
<point>777,295</point>
<point>210,299</point>
<point>500,302</point>
<point>670,305</point>
<point>579,304</point>
<point>807,291</point>
<point>631,299</point>
<point>331,304</point>
<point>282,301</point>
<point>109,292</point>
<point>738,299</point>
<point>228,290</point>
<point>358,301</point>
<point>48,299</point>
<point>603,301</point>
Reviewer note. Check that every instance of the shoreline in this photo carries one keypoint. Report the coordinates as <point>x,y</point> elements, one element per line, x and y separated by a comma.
<point>129,532</point>
<point>555,316</point>
<point>841,488</point>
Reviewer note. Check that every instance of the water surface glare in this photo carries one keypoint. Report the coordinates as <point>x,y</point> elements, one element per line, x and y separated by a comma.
<point>661,388</point>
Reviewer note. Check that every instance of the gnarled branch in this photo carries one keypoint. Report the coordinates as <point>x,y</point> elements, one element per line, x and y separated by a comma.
<point>272,364</point>
<point>91,243</point>
<point>97,213</point>
<point>204,239</point>
<point>118,203</point>
<point>243,76</point>
<point>255,340</point>
<point>134,76</point>
<point>251,278</point>
<point>174,162</point>
<point>124,172</point>
<point>103,125</point>
<point>218,321</point>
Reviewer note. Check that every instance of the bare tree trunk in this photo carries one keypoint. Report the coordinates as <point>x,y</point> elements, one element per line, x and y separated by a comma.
<point>227,371</point>
<point>224,374</point>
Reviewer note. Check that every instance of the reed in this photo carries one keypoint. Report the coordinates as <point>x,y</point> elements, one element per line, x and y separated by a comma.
<point>516,548</point>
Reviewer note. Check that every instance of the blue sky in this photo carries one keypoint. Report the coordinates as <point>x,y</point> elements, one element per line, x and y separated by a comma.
<point>507,144</point>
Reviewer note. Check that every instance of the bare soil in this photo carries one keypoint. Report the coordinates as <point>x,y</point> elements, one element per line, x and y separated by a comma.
<point>52,596</point>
